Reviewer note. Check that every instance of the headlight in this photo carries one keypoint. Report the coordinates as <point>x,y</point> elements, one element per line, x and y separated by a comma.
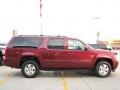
<point>115,56</point>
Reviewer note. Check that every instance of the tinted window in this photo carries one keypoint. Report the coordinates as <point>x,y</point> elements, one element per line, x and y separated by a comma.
<point>56,43</point>
<point>26,42</point>
<point>75,45</point>
<point>2,44</point>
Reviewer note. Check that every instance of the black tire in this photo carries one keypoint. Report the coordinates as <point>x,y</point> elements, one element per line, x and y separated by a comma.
<point>1,61</point>
<point>26,69</point>
<point>103,69</point>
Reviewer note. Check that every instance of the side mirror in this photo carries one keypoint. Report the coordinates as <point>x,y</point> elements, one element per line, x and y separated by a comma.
<point>86,48</point>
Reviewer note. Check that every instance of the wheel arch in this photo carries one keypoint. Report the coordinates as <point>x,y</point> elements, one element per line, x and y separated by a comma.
<point>104,59</point>
<point>33,58</point>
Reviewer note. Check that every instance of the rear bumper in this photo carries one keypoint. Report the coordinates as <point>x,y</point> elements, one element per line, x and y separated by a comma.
<point>1,60</point>
<point>11,63</point>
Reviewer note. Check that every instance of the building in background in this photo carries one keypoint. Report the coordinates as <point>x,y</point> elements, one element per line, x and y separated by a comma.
<point>115,44</point>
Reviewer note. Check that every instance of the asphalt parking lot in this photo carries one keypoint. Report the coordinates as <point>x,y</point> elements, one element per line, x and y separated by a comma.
<point>11,79</point>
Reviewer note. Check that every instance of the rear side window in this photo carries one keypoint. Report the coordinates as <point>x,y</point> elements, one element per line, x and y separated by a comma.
<point>56,43</point>
<point>26,42</point>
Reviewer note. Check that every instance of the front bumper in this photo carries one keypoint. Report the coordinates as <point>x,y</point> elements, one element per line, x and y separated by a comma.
<point>115,65</point>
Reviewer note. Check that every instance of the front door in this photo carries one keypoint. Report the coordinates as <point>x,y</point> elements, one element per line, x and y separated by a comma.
<point>77,55</point>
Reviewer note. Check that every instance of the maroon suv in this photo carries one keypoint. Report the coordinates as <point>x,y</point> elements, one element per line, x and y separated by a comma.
<point>31,53</point>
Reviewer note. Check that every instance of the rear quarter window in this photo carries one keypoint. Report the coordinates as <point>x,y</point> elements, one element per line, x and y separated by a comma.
<point>26,42</point>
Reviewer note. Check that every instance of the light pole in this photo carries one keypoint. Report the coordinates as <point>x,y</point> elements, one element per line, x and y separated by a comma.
<point>98,37</point>
<point>14,32</point>
<point>96,24</point>
<point>41,15</point>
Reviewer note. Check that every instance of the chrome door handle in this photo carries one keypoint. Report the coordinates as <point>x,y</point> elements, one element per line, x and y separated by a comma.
<point>17,52</point>
<point>56,54</point>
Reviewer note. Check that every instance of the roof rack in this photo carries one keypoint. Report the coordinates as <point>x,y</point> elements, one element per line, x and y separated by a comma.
<point>30,35</point>
<point>41,35</point>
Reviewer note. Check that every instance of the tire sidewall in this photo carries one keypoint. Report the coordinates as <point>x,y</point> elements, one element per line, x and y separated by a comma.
<point>1,60</point>
<point>98,66</point>
<point>29,62</point>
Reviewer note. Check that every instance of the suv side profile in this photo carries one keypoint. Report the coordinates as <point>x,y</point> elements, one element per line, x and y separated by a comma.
<point>32,53</point>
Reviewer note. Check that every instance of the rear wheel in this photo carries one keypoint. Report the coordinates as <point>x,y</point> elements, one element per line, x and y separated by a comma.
<point>103,69</point>
<point>1,61</point>
<point>30,69</point>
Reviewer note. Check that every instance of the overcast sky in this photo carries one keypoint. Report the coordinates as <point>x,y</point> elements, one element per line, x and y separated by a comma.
<point>74,18</point>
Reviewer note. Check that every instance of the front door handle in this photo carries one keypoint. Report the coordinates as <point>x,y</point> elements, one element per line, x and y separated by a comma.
<point>17,52</point>
<point>55,54</point>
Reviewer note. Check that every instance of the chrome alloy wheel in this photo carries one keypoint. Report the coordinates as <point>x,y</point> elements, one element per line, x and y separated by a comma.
<point>30,69</point>
<point>103,69</point>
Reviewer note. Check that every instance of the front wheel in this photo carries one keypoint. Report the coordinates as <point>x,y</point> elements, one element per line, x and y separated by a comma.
<point>29,69</point>
<point>103,69</point>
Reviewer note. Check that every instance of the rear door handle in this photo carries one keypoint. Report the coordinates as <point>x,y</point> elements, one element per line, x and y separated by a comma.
<point>52,53</point>
<point>71,53</point>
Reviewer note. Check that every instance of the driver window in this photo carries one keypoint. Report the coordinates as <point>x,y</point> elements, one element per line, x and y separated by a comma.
<point>75,45</point>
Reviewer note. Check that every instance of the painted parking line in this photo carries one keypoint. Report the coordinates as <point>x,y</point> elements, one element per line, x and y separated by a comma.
<point>64,81</point>
<point>2,82</point>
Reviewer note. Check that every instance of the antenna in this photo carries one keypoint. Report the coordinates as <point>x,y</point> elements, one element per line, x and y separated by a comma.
<point>41,30</point>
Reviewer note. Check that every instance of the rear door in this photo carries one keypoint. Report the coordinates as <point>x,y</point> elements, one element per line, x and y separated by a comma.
<point>55,54</point>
